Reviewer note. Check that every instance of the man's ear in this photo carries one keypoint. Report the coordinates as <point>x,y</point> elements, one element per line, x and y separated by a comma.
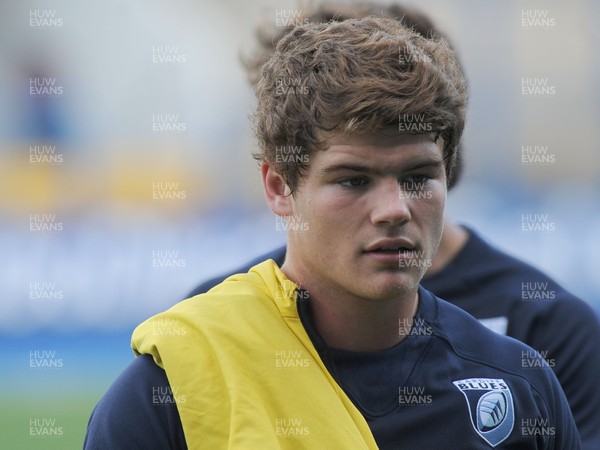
<point>277,192</point>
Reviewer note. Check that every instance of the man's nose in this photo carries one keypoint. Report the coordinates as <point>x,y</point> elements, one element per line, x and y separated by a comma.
<point>390,205</point>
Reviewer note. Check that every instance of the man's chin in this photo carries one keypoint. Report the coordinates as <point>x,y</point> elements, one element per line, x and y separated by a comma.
<point>392,285</point>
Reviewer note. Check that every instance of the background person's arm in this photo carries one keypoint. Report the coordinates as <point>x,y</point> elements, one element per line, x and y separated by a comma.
<point>575,357</point>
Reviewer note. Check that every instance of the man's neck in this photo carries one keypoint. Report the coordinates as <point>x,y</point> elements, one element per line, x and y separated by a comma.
<point>362,325</point>
<point>368,327</point>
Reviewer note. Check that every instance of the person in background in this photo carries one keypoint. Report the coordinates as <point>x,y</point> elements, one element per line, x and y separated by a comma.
<point>504,293</point>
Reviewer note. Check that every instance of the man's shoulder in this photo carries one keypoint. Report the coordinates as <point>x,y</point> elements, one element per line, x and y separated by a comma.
<point>254,283</point>
<point>476,345</point>
<point>241,303</point>
<point>463,331</point>
<point>138,411</point>
<point>277,255</point>
<point>467,356</point>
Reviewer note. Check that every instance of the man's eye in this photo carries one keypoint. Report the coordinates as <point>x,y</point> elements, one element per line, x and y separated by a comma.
<point>353,182</point>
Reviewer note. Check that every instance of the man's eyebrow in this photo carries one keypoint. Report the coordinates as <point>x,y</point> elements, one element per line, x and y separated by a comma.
<point>423,164</point>
<point>346,167</point>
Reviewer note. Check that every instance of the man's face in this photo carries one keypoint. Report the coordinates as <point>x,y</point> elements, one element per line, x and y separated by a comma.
<point>368,215</point>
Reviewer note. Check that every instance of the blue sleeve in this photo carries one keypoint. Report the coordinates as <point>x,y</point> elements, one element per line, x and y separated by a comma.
<point>277,255</point>
<point>566,434</point>
<point>487,282</point>
<point>570,334</point>
<point>137,412</point>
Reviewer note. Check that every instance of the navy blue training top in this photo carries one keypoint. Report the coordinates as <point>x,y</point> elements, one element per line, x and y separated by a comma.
<point>516,299</point>
<point>452,383</point>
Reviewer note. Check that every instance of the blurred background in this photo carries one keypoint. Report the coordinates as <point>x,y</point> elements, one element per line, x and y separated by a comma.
<point>126,176</point>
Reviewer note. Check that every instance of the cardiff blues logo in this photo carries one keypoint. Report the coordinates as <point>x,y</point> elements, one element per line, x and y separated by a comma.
<point>491,407</point>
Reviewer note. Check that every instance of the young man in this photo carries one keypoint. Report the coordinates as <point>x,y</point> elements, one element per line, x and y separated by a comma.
<point>507,295</point>
<point>341,347</point>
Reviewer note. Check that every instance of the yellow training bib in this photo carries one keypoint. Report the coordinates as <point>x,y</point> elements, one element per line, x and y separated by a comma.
<point>245,374</point>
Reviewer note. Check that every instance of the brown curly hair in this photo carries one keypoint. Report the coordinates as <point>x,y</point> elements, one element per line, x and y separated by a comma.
<point>268,34</point>
<point>356,76</point>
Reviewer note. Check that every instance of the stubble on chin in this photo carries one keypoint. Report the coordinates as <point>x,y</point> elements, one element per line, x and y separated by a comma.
<point>394,290</point>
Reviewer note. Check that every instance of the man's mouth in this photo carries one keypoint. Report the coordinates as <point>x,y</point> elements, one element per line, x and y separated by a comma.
<point>391,246</point>
<point>393,250</point>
